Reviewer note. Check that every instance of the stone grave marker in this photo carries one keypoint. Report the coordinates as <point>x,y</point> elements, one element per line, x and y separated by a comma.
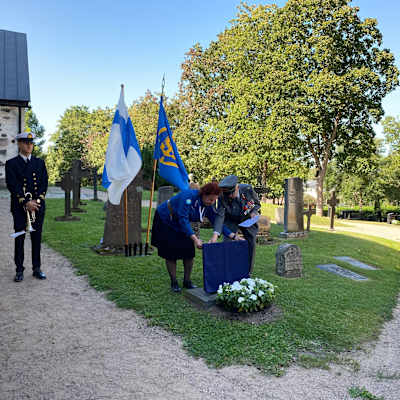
<point>332,202</point>
<point>345,273</point>
<point>66,185</point>
<point>95,176</point>
<point>77,173</point>
<point>289,263</point>
<point>164,194</point>
<point>294,209</point>
<point>355,263</point>
<point>114,226</point>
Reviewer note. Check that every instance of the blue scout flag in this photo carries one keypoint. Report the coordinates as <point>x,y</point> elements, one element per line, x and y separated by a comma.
<point>224,262</point>
<point>123,158</point>
<point>171,167</point>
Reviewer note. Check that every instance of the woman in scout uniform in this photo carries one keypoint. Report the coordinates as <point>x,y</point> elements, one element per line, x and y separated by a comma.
<point>173,235</point>
<point>237,203</point>
<point>26,178</point>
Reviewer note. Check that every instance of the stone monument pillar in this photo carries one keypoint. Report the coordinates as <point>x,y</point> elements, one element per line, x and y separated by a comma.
<point>164,194</point>
<point>114,226</point>
<point>294,209</point>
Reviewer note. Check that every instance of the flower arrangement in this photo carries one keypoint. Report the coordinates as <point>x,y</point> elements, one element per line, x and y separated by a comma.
<point>248,295</point>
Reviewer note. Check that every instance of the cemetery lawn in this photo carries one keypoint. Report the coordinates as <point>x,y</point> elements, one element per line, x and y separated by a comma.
<point>323,314</point>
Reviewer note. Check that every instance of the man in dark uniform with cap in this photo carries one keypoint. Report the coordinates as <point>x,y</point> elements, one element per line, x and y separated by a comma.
<point>26,178</point>
<point>237,203</point>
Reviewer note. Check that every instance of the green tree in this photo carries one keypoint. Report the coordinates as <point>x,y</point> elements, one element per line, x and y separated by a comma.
<point>284,87</point>
<point>391,129</point>
<point>32,125</point>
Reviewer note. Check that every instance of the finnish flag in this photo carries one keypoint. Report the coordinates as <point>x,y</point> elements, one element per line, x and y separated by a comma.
<point>123,158</point>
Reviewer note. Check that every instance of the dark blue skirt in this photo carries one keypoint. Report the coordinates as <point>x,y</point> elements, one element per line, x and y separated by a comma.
<point>171,244</point>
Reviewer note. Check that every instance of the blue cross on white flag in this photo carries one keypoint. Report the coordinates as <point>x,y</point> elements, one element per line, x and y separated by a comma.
<point>123,158</point>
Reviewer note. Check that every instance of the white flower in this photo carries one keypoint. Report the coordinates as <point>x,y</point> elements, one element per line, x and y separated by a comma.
<point>260,293</point>
<point>240,299</point>
<point>236,286</point>
<point>271,289</point>
<point>253,297</point>
<point>219,291</point>
<point>251,282</point>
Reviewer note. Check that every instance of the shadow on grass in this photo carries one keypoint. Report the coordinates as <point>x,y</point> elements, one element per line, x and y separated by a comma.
<point>322,312</point>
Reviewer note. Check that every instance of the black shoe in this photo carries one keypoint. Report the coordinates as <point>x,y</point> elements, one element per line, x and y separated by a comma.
<point>38,274</point>
<point>189,285</point>
<point>175,287</point>
<point>19,276</point>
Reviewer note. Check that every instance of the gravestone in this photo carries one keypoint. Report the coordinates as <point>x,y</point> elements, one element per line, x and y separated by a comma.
<point>263,234</point>
<point>308,213</point>
<point>114,227</point>
<point>294,208</point>
<point>280,215</point>
<point>77,173</point>
<point>355,263</point>
<point>66,185</point>
<point>95,176</point>
<point>164,194</point>
<point>332,202</point>
<point>289,262</point>
<point>345,273</point>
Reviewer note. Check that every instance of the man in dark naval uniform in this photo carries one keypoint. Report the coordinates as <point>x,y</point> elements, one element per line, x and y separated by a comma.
<point>237,203</point>
<point>26,178</point>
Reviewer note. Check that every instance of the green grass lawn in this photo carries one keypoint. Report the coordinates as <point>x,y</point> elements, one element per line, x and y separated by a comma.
<point>322,313</point>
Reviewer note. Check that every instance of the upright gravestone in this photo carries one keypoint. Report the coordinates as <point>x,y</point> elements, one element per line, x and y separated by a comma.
<point>77,173</point>
<point>66,185</point>
<point>289,262</point>
<point>294,209</point>
<point>164,194</point>
<point>95,177</point>
<point>114,228</point>
<point>332,202</point>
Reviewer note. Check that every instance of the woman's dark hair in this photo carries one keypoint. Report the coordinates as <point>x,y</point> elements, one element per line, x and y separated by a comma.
<point>210,188</point>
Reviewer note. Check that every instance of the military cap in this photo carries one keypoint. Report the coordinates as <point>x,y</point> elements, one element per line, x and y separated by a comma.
<point>228,184</point>
<point>26,136</point>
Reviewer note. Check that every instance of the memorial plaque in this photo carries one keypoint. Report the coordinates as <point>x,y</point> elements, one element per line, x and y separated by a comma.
<point>164,194</point>
<point>345,273</point>
<point>355,263</point>
<point>289,262</point>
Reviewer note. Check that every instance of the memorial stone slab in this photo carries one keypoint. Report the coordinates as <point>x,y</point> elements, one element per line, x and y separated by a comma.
<point>355,263</point>
<point>164,194</point>
<point>345,273</point>
<point>289,262</point>
<point>294,209</point>
<point>200,297</point>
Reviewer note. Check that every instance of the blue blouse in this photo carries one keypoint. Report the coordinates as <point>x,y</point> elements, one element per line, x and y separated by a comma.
<point>187,207</point>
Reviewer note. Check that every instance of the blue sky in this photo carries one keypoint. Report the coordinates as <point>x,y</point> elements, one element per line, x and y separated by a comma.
<point>81,51</point>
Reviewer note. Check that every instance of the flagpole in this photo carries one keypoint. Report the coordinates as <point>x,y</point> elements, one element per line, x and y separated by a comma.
<point>152,184</point>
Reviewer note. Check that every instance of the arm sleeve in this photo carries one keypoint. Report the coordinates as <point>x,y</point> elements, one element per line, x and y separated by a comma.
<point>217,218</point>
<point>183,217</point>
<point>44,179</point>
<point>14,186</point>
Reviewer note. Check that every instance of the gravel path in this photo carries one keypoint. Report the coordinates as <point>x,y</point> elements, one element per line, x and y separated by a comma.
<point>62,340</point>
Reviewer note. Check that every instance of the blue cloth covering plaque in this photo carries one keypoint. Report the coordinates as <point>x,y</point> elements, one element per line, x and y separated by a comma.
<point>224,262</point>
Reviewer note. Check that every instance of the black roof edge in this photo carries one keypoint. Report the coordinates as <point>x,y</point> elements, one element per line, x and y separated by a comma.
<point>15,103</point>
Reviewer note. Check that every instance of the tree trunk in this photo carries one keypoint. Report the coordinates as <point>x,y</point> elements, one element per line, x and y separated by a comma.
<point>320,194</point>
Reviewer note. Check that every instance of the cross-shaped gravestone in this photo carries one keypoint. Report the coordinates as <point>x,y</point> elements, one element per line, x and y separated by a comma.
<point>66,184</point>
<point>95,177</point>
<point>77,173</point>
<point>332,202</point>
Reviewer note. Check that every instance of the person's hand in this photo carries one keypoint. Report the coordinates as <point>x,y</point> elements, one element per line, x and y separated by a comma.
<point>32,205</point>
<point>214,238</point>
<point>253,214</point>
<point>198,243</point>
<point>239,238</point>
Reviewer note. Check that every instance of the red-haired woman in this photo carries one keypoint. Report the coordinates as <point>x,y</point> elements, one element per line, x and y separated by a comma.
<point>173,235</point>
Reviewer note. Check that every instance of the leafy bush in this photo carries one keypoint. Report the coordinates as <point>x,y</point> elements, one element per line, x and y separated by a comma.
<point>248,295</point>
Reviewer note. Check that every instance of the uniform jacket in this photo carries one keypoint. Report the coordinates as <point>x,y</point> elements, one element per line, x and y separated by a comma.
<point>23,178</point>
<point>187,207</point>
<point>239,209</point>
